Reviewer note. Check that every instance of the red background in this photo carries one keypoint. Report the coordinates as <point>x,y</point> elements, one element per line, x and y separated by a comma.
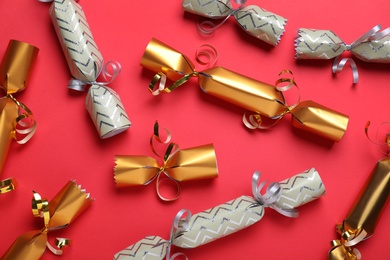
<point>67,146</point>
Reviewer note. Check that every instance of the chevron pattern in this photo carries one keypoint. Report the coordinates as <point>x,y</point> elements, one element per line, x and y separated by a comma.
<point>374,51</point>
<point>106,110</point>
<point>301,189</point>
<point>260,23</point>
<point>215,9</point>
<point>84,59</point>
<point>149,248</point>
<point>220,221</point>
<point>318,44</point>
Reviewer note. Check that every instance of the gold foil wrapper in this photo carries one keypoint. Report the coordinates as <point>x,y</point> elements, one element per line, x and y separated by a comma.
<point>184,165</point>
<point>372,199</point>
<point>318,119</point>
<point>260,98</point>
<point>15,71</point>
<point>365,212</point>
<point>64,208</point>
<point>16,66</point>
<point>242,91</point>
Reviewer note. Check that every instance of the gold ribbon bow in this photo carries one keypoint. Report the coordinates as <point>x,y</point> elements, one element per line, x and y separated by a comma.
<point>342,248</point>
<point>178,165</point>
<point>16,120</point>
<point>68,204</point>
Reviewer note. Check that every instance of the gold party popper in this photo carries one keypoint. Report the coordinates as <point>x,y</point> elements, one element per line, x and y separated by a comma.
<point>261,99</point>
<point>16,119</point>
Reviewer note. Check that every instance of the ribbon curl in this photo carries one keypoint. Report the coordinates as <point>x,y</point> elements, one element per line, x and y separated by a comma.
<point>16,119</point>
<point>255,21</point>
<point>372,46</point>
<point>178,165</point>
<point>262,99</point>
<point>195,230</point>
<point>62,210</point>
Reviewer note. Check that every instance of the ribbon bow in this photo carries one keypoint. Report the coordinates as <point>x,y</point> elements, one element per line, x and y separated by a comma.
<point>256,21</point>
<point>108,76</point>
<point>342,249</point>
<point>178,165</point>
<point>271,196</point>
<point>68,204</point>
<point>372,46</point>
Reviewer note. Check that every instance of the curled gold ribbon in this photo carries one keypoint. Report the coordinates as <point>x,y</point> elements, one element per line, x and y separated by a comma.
<point>58,213</point>
<point>178,165</point>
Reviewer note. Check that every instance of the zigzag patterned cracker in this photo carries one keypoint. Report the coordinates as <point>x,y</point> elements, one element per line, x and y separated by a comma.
<point>220,221</point>
<point>256,21</point>
<point>310,187</point>
<point>325,44</point>
<point>84,59</point>
<point>106,111</point>
<point>149,248</point>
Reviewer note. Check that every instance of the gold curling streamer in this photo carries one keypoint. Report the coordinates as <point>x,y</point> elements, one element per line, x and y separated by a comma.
<point>365,212</point>
<point>262,99</point>
<point>178,165</point>
<point>62,210</point>
<point>16,120</point>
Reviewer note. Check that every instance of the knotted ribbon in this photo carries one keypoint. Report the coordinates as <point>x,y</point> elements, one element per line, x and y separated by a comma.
<point>366,210</point>
<point>16,119</point>
<point>255,21</point>
<point>262,99</point>
<point>178,165</point>
<point>62,210</point>
<point>372,46</point>
<point>86,64</point>
<point>190,231</point>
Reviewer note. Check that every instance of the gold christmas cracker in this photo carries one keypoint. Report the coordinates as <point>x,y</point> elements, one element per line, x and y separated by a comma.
<point>70,202</point>
<point>363,217</point>
<point>178,165</point>
<point>190,231</point>
<point>16,120</point>
<point>260,99</point>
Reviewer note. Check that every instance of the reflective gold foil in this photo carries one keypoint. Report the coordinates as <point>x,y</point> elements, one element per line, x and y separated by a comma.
<point>184,165</point>
<point>372,199</point>
<point>67,205</point>
<point>15,68</point>
<point>260,98</point>
<point>318,119</point>
<point>365,212</point>
<point>15,72</point>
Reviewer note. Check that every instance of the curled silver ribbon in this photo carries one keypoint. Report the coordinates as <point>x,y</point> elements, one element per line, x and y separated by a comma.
<point>272,195</point>
<point>116,67</point>
<point>179,224</point>
<point>372,34</point>
<point>202,26</point>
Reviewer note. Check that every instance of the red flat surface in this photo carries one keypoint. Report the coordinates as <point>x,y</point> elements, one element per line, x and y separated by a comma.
<point>67,146</point>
